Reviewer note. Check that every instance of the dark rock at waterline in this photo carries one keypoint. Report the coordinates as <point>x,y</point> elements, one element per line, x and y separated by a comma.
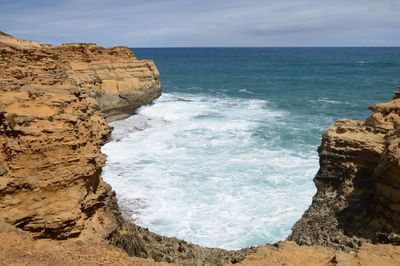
<point>52,126</point>
<point>358,183</point>
<point>140,242</point>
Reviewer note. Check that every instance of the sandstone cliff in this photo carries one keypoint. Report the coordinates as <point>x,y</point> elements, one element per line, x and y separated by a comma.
<point>51,133</point>
<point>114,77</point>
<point>358,183</point>
<point>54,103</point>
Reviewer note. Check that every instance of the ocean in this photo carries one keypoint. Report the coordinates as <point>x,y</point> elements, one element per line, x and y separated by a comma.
<point>227,155</point>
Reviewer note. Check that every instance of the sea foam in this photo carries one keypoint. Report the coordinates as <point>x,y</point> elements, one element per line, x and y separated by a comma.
<point>210,170</point>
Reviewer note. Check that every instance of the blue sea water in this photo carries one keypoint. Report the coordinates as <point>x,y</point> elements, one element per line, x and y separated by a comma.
<point>227,155</point>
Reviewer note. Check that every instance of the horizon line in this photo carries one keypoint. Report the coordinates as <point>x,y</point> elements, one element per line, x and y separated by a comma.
<point>235,47</point>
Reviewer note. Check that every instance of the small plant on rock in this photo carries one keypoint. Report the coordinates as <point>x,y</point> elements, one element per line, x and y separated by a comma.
<point>11,120</point>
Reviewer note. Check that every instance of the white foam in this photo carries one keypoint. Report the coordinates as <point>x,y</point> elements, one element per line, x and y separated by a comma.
<point>325,100</point>
<point>197,169</point>
<point>246,91</point>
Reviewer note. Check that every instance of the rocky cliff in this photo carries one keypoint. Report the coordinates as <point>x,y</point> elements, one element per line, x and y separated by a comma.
<point>114,77</point>
<point>55,102</point>
<point>358,183</point>
<point>50,136</point>
<point>54,105</point>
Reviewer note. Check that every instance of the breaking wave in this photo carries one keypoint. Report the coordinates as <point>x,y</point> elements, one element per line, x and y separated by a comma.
<point>211,170</point>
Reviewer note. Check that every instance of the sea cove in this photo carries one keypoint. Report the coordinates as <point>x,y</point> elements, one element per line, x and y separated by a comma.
<point>228,153</point>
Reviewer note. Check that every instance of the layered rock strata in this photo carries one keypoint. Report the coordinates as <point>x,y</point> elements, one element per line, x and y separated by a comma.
<point>114,77</point>
<point>55,102</point>
<point>358,183</point>
<point>51,132</point>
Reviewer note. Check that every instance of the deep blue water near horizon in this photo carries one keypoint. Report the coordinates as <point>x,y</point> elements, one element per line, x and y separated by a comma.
<point>226,157</point>
<point>288,76</point>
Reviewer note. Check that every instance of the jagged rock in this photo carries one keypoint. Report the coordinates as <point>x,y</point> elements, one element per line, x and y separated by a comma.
<point>358,183</point>
<point>114,77</point>
<point>54,103</point>
<point>51,133</point>
<point>141,242</point>
<point>18,248</point>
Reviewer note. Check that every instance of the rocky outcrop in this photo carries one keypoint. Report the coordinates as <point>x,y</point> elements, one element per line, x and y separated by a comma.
<point>18,248</point>
<point>119,86</point>
<point>289,253</point>
<point>54,103</point>
<point>50,138</point>
<point>358,183</point>
<point>140,242</point>
<point>114,77</point>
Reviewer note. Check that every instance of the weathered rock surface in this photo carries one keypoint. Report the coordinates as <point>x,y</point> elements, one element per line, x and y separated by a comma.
<point>119,86</point>
<point>114,77</point>
<point>54,105</point>
<point>358,183</point>
<point>289,253</point>
<point>50,138</point>
<point>140,242</point>
<point>18,248</point>
<point>54,102</point>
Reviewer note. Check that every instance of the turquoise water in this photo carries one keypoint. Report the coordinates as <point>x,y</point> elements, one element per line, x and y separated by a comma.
<point>226,157</point>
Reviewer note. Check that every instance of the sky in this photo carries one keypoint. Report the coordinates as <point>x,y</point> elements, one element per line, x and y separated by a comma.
<point>205,23</point>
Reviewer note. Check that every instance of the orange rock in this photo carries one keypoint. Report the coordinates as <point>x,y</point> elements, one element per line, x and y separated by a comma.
<point>358,183</point>
<point>53,103</point>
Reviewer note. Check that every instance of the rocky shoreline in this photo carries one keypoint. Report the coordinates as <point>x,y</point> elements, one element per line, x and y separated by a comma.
<point>358,192</point>
<point>55,103</point>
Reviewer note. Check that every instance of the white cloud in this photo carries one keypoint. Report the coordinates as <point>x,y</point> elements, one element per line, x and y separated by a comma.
<point>205,23</point>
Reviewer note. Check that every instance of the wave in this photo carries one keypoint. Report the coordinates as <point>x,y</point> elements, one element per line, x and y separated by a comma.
<point>246,91</point>
<point>208,170</point>
<point>326,100</point>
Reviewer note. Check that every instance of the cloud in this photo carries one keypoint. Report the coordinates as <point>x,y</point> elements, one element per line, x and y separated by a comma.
<point>205,23</point>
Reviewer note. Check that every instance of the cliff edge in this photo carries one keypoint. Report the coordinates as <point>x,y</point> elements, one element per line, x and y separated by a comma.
<point>55,103</point>
<point>358,183</point>
<point>114,77</point>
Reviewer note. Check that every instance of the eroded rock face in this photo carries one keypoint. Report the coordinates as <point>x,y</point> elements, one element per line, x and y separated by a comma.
<point>51,183</point>
<point>53,102</point>
<point>114,77</point>
<point>119,86</point>
<point>358,183</point>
